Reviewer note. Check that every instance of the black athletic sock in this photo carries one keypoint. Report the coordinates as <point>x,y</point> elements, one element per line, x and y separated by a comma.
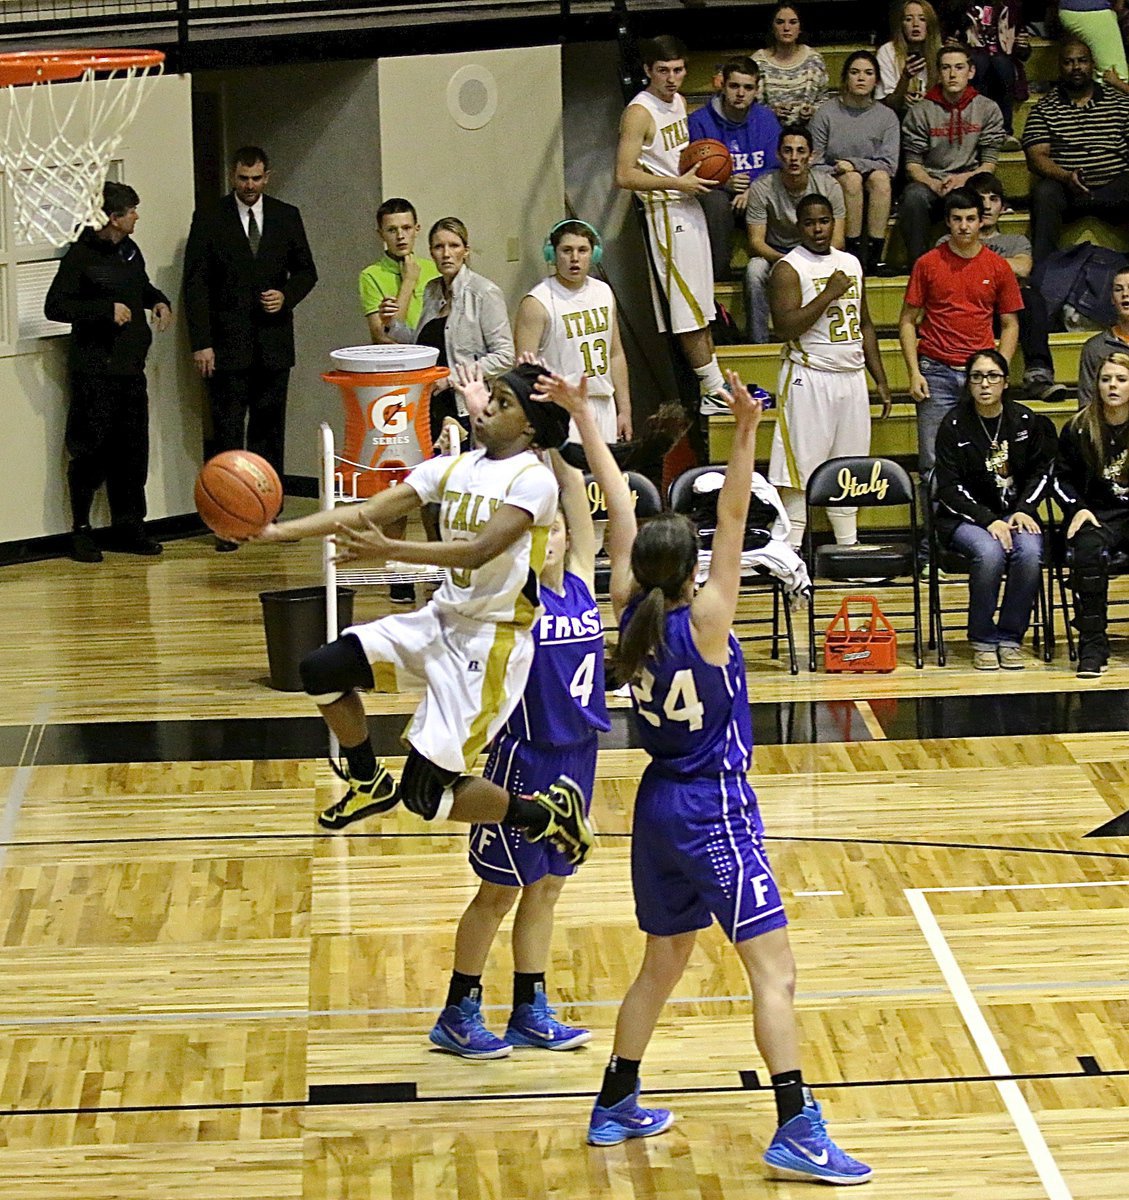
<point>791,1095</point>
<point>526,984</point>
<point>462,986</point>
<point>526,815</point>
<point>620,1078</point>
<point>361,760</point>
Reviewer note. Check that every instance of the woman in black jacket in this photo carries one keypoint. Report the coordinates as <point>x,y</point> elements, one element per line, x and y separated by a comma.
<point>1092,488</point>
<point>992,472</point>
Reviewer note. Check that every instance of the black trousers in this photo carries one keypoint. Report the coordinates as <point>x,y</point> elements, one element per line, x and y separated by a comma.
<point>107,438</point>
<point>1052,204</point>
<point>1034,326</point>
<point>1089,577</point>
<point>249,412</point>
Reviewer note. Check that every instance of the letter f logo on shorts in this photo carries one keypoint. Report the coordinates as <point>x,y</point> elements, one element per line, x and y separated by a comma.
<point>760,890</point>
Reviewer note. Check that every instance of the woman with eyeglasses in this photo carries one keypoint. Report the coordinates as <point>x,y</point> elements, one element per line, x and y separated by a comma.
<point>994,458</point>
<point>1091,486</point>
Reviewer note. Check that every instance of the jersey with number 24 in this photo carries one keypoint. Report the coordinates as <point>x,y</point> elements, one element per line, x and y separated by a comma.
<point>692,717</point>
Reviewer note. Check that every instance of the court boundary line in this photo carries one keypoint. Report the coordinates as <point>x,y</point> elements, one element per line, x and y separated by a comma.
<point>586,1094</point>
<point>987,1046</point>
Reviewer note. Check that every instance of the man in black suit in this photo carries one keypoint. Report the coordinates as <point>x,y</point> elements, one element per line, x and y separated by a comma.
<point>247,266</point>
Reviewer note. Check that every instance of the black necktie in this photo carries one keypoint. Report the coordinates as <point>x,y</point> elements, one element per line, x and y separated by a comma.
<point>253,234</point>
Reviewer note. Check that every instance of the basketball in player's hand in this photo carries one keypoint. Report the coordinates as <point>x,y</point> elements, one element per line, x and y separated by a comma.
<point>237,494</point>
<point>711,157</point>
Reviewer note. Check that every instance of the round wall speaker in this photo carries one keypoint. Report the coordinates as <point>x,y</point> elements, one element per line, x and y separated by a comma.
<point>472,97</point>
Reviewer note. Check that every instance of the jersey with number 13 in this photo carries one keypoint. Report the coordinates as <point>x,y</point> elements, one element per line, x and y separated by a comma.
<point>564,701</point>
<point>578,337</point>
<point>691,717</point>
<point>834,342</point>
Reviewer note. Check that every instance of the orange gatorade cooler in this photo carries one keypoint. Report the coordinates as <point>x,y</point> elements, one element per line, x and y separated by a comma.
<point>386,391</point>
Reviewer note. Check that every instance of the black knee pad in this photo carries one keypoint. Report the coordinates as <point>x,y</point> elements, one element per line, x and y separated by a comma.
<point>422,785</point>
<point>335,670</point>
<point>1089,578</point>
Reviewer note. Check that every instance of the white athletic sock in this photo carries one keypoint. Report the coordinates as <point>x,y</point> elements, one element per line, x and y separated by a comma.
<point>844,525</point>
<point>793,501</point>
<point>710,376</point>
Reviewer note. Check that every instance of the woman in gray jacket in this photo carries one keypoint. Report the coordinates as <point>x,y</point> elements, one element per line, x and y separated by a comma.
<point>463,316</point>
<point>859,140</point>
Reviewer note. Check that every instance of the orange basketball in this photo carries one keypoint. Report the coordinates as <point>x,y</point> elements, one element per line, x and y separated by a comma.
<point>712,159</point>
<point>237,493</point>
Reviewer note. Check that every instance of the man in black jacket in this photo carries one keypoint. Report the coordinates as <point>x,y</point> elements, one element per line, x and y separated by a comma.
<point>247,266</point>
<point>102,290</point>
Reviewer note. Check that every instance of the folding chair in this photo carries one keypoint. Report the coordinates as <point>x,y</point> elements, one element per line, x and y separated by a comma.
<point>648,503</point>
<point>863,482</point>
<point>681,500</point>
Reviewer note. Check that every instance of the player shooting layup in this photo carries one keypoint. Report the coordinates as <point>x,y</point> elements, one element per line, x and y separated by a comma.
<point>652,134</point>
<point>471,646</point>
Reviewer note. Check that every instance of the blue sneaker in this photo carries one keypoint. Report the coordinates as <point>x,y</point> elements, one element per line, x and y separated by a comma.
<point>610,1126</point>
<point>534,1025</point>
<point>801,1149</point>
<point>462,1031</point>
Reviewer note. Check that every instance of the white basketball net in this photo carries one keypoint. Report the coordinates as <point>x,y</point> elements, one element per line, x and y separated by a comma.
<point>59,139</point>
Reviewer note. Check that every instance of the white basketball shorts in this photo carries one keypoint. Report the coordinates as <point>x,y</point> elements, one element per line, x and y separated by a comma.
<point>680,256</point>
<point>473,674</point>
<point>820,415</point>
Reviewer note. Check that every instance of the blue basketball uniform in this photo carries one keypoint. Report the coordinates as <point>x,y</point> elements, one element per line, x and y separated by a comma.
<point>697,846</point>
<point>552,732</point>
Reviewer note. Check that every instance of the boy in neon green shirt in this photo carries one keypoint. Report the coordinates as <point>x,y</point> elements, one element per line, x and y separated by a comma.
<point>392,287</point>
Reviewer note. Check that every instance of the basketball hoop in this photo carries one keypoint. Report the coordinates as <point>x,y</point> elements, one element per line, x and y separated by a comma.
<point>57,145</point>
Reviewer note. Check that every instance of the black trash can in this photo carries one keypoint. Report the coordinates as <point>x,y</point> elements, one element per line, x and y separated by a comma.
<point>294,621</point>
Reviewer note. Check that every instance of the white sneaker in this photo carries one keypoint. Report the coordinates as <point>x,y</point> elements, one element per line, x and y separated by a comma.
<point>713,403</point>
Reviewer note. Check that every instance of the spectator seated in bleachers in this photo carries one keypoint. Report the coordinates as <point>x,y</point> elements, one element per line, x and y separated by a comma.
<point>1076,144</point>
<point>1034,321</point>
<point>1095,24</point>
<point>794,75</point>
<point>860,141</point>
<point>1000,46</point>
<point>771,217</point>
<point>907,63</point>
<point>736,118</point>
<point>1114,340</point>
<point>947,137</point>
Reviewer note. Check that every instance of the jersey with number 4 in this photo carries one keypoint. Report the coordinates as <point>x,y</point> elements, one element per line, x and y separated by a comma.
<point>691,717</point>
<point>834,342</point>
<point>564,700</point>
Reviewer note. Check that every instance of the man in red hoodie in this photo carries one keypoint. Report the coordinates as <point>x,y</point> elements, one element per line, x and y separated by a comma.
<point>947,137</point>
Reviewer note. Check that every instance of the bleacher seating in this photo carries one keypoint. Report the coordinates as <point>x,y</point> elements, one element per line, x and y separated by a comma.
<point>759,364</point>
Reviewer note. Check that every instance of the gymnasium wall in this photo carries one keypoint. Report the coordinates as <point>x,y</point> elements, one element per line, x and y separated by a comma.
<point>156,156</point>
<point>342,136</point>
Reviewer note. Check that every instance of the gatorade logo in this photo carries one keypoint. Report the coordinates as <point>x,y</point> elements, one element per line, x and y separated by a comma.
<point>391,412</point>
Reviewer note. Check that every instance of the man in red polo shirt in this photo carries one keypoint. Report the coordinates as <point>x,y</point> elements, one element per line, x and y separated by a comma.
<point>955,293</point>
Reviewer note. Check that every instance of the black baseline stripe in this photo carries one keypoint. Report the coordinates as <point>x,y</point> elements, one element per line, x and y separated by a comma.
<point>495,1097</point>
<point>626,835</point>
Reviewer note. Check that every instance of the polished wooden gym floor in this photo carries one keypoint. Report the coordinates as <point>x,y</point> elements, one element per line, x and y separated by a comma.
<point>204,997</point>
